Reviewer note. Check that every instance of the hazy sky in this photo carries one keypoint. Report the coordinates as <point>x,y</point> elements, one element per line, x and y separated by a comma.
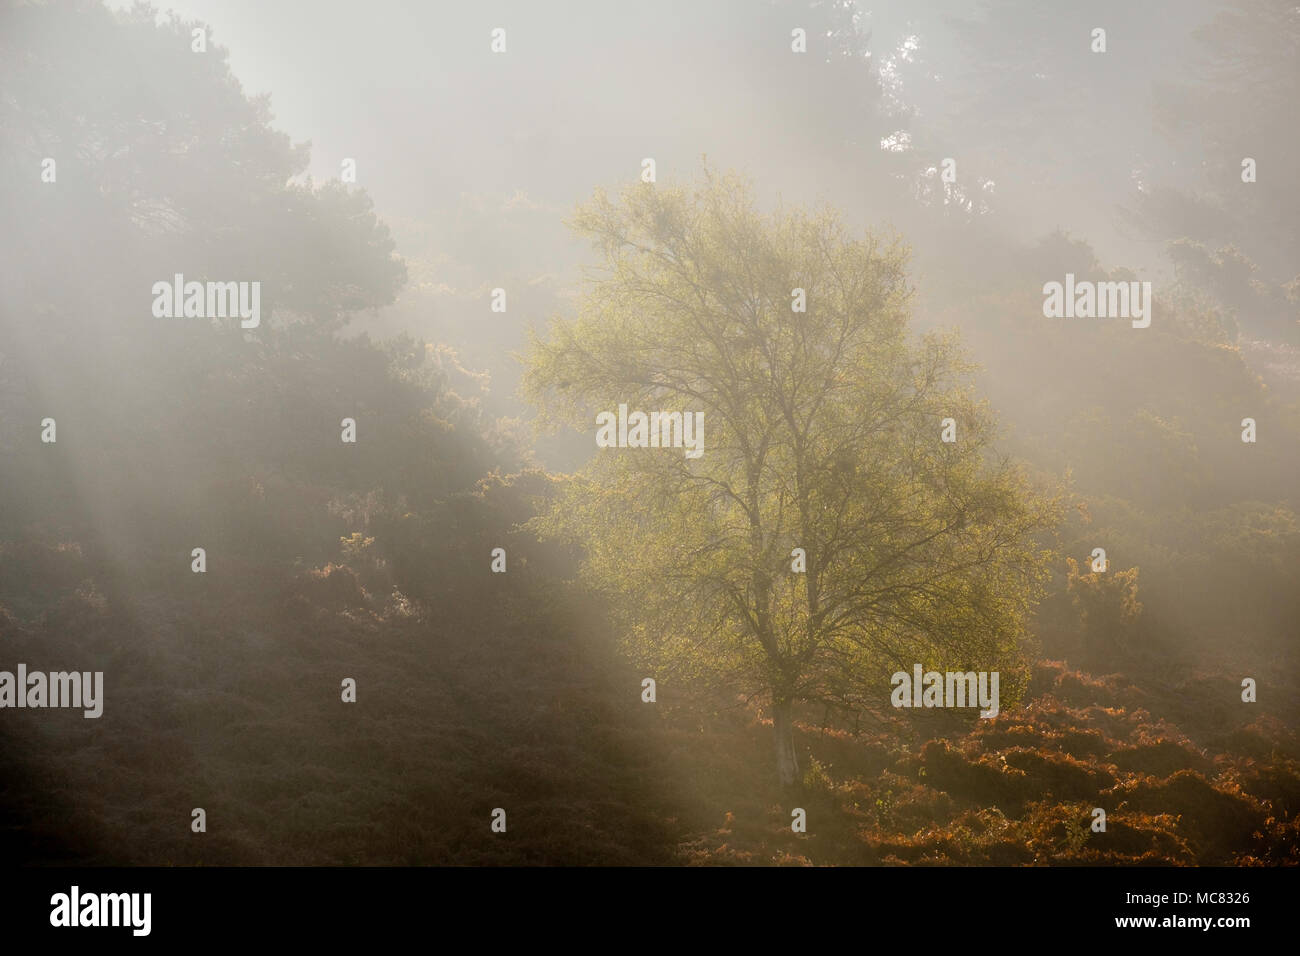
<point>414,94</point>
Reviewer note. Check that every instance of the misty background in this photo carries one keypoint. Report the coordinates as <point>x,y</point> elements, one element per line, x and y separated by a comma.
<point>475,160</point>
<point>478,691</point>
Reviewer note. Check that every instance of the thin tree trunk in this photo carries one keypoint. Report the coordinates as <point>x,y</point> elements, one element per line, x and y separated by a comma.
<point>787,764</point>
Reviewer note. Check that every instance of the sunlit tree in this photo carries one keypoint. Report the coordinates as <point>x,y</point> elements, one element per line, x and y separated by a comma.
<point>822,431</point>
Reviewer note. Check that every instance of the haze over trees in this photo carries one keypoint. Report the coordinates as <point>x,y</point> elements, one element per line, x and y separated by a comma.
<point>822,435</point>
<point>823,432</point>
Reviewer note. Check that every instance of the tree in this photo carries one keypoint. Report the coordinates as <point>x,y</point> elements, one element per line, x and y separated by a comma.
<point>822,432</point>
<point>1223,105</point>
<point>191,428</point>
<point>1108,608</point>
<point>163,165</point>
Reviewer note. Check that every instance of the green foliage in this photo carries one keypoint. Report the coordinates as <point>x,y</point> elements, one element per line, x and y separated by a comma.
<point>822,431</point>
<point>817,777</point>
<point>1108,606</point>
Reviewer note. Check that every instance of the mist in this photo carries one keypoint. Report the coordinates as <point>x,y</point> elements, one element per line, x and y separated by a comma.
<point>323,327</point>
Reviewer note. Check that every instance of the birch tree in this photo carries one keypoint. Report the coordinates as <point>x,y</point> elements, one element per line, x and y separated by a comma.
<point>823,431</point>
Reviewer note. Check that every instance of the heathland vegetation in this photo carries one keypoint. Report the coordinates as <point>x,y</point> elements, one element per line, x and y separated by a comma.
<point>515,681</point>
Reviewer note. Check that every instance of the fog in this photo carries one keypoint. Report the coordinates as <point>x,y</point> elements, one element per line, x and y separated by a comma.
<point>464,228</point>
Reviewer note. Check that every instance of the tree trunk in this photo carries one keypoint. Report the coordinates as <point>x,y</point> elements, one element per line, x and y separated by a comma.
<point>787,764</point>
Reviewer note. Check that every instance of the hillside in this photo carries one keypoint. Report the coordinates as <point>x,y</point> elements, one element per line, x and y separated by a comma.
<point>227,698</point>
